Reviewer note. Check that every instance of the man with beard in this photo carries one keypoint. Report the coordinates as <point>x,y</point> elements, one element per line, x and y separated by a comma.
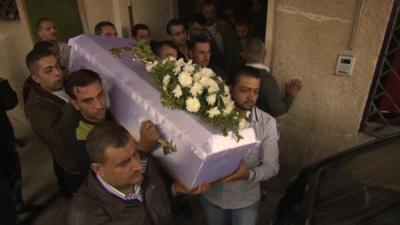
<point>200,52</point>
<point>237,197</point>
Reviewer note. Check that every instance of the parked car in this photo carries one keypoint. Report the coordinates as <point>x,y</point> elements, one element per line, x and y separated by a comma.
<point>357,186</point>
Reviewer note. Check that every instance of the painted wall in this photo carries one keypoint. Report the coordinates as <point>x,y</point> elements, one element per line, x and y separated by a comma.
<point>307,37</point>
<point>96,11</point>
<point>15,43</point>
<point>64,13</point>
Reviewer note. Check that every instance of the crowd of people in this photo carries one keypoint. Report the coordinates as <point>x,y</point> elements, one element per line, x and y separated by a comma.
<point>110,177</point>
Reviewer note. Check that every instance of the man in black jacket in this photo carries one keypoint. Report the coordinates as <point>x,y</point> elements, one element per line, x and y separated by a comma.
<point>123,186</point>
<point>10,167</point>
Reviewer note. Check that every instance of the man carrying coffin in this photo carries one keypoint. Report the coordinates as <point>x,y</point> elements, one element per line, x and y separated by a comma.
<point>88,108</point>
<point>44,110</point>
<point>123,186</point>
<point>238,195</point>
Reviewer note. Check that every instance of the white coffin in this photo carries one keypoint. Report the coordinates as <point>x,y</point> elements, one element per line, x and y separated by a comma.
<point>204,154</point>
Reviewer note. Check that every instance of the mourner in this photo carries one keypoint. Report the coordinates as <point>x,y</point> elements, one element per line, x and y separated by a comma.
<point>44,110</point>
<point>87,109</point>
<point>237,196</point>
<point>47,31</point>
<point>105,28</point>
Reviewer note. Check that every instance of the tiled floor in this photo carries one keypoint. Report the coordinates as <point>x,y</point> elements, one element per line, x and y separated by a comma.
<point>40,187</point>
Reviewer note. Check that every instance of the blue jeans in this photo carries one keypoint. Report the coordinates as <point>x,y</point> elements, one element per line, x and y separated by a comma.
<point>216,215</point>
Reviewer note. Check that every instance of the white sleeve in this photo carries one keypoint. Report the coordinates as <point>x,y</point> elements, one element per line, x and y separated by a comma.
<point>270,152</point>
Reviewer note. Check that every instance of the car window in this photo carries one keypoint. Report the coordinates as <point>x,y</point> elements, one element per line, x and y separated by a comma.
<point>360,189</point>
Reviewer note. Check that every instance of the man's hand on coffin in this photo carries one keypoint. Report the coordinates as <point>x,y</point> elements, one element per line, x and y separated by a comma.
<point>179,188</point>
<point>149,136</point>
<point>240,174</point>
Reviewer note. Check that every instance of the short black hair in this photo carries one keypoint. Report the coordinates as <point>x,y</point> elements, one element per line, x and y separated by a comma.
<point>44,44</point>
<point>104,135</point>
<point>243,71</point>
<point>80,78</point>
<point>198,39</point>
<point>139,26</point>
<point>198,18</point>
<point>98,29</point>
<point>175,22</point>
<point>35,55</point>
<point>157,47</point>
<point>41,20</point>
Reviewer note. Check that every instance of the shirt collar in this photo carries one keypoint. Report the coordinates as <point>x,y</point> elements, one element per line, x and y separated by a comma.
<point>134,194</point>
<point>258,66</point>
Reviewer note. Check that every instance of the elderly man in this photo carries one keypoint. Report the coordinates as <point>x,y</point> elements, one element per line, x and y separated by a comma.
<point>44,110</point>
<point>47,31</point>
<point>270,99</point>
<point>237,196</point>
<point>105,28</point>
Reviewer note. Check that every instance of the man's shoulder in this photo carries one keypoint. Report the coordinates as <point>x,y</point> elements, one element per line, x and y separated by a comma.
<point>42,102</point>
<point>262,116</point>
<point>85,208</point>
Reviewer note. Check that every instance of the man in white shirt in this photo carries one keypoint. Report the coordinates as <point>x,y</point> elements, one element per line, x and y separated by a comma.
<point>238,195</point>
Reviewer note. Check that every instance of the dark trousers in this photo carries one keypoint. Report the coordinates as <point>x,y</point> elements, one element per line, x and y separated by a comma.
<point>69,183</point>
<point>11,169</point>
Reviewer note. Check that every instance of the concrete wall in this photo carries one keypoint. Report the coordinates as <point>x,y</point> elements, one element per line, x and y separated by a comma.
<point>307,37</point>
<point>95,11</point>
<point>15,43</point>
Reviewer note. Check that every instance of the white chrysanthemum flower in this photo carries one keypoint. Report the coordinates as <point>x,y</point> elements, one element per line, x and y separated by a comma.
<point>192,104</point>
<point>213,87</point>
<point>150,66</point>
<point>207,72</point>
<point>205,81</point>
<point>197,76</point>
<point>228,108</point>
<point>196,89</point>
<point>227,100</point>
<point>180,62</point>
<point>188,68</point>
<point>211,99</point>
<point>177,91</point>
<point>185,79</point>
<point>243,124</point>
<point>213,112</point>
<point>226,89</point>
<point>165,81</point>
<point>177,69</point>
<point>248,114</point>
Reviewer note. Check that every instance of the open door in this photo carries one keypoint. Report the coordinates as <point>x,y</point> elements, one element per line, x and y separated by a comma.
<point>64,13</point>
